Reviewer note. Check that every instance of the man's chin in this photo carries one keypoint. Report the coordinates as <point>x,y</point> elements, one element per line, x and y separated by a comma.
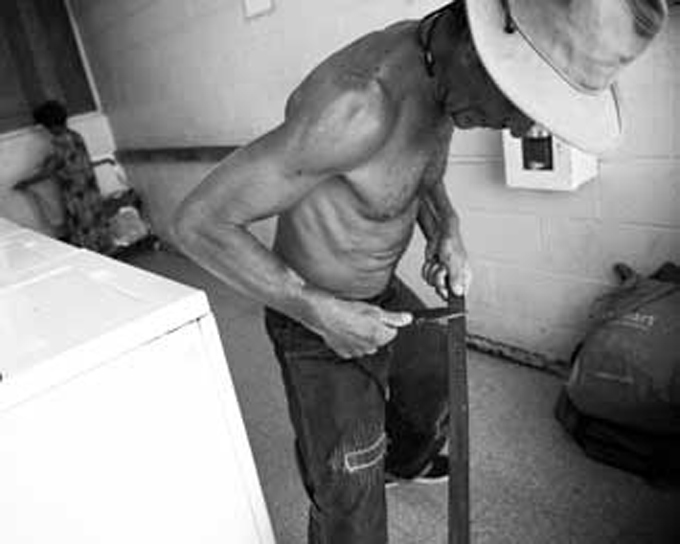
<point>463,122</point>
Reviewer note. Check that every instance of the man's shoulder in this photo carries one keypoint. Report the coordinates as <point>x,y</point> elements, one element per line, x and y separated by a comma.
<point>343,103</point>
<point>350,104</point>
<point>333,87</point>
<point>350,89</point>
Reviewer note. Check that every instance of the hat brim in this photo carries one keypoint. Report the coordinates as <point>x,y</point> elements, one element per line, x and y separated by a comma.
<point>591,122</point>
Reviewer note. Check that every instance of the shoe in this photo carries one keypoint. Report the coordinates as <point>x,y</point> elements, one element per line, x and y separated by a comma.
<point>436,471</point>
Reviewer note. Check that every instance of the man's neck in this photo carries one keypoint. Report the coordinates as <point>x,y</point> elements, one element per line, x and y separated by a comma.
<point>437,43</point>
<point>425,36</point>
<point>454,82</point>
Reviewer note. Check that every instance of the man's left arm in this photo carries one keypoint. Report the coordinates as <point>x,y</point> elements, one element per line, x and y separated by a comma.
<point>446,265</point>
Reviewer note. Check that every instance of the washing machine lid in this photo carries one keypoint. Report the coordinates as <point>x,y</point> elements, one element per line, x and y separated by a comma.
<point>25,253</point>
<point>80,311</point>
<point>8,227</point>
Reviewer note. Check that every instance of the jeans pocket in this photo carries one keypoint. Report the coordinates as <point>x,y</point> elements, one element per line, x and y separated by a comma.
<point>363,456</point>
<point>357,467</point>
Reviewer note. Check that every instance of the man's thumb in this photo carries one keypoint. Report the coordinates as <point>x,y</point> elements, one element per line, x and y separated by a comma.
<point>397,319</point>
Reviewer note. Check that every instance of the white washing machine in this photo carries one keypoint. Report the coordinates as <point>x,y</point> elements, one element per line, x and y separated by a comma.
<point>119,422</point>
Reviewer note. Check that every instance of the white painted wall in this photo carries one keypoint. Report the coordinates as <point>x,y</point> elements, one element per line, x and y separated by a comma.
<point>196,72</point>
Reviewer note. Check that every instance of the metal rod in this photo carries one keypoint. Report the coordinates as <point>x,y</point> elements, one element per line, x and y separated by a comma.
<point>459,438</point>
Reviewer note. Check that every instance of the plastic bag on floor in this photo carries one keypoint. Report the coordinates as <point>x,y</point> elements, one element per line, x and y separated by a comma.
<point>622,400</point>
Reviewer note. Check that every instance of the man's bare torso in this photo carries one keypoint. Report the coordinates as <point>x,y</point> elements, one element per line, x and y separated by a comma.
<point>348,234</point>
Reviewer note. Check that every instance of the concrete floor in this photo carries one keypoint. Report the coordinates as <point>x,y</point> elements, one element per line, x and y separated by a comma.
<point>530,484</point>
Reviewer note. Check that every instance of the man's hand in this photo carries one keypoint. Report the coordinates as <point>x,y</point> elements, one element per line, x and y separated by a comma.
<point>446,265</point>
<point>354,328</point>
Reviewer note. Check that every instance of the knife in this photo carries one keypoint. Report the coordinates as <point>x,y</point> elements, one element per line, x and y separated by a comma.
<point>438,315</point>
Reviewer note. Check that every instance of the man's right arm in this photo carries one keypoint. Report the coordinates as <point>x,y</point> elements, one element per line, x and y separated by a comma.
<point>266,178</point>
<point>212,223</point>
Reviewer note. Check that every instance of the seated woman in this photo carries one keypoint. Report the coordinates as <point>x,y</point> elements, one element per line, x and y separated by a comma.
<point>84,222</point>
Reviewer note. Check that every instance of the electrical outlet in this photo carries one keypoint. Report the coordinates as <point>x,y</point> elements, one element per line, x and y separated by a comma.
<point>253,8</point>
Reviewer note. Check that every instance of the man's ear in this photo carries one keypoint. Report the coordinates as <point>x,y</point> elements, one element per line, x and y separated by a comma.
<point>468,118</point>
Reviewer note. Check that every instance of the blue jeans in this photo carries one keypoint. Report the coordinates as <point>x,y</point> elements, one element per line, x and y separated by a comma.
<point>354,419</point>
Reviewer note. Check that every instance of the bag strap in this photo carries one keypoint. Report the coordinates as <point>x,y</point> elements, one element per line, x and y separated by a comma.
<point>628,301</point>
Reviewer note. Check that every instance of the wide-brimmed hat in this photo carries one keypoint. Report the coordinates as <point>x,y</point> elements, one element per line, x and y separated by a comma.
<point>557,60</point>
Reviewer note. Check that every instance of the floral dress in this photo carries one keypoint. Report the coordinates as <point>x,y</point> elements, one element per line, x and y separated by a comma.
<point>85,224</point>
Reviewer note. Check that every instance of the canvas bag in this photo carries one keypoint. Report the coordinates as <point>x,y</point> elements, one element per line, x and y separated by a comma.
<point>622,399</point>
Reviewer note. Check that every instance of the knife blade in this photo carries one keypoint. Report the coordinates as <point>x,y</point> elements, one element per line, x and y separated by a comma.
<point>439,315</point>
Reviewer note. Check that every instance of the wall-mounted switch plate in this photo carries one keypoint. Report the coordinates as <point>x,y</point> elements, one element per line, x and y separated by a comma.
<point>560,167</point>
<point>253,8</point>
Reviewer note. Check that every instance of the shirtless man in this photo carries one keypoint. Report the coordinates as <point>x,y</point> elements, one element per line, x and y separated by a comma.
<point>355,165</point>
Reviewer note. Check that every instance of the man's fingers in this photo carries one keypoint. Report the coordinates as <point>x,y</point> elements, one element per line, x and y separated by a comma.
<point>434,273</point>
<point>441,281</point>
<point>460,285</point>
<point>361,349</point>
<point>427,272</point>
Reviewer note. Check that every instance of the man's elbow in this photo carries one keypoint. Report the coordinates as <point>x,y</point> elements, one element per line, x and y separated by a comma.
<point>185,225</point>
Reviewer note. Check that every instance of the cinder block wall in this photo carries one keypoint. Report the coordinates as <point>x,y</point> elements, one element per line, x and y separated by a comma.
<point>541,257</point>
<point>196,72</point>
